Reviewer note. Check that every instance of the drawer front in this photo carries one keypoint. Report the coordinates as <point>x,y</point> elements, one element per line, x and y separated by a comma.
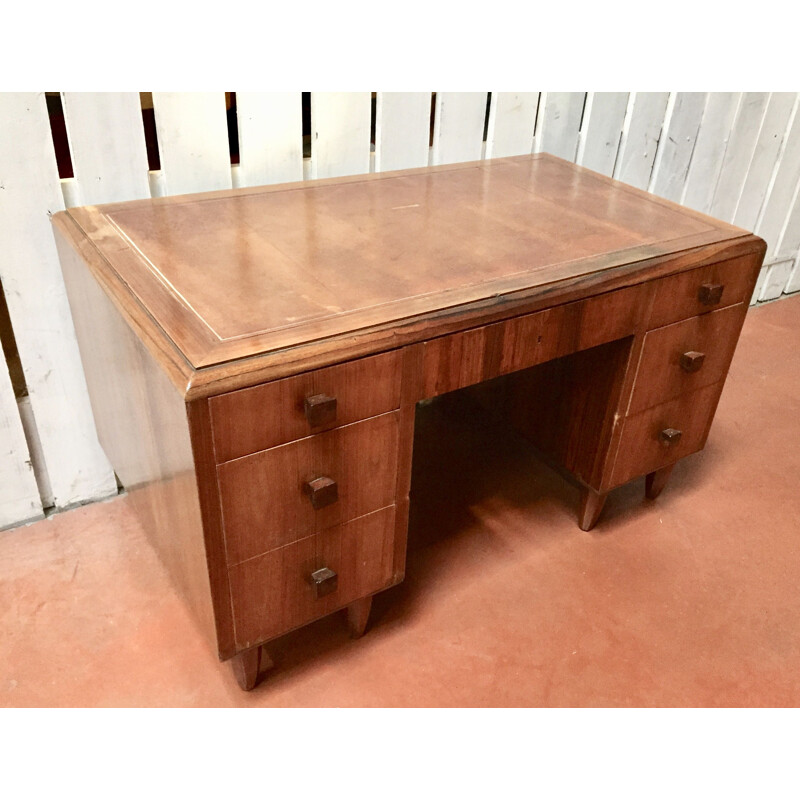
<point>464,359</point>
<point>646,444</point>
<point>705,289</point>
<point>274,593</point>
<point>268,498</point>
<point>685,356</point>
<point>249,420</point>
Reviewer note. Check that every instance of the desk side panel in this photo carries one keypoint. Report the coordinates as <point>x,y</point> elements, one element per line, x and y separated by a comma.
<point>142,426</point>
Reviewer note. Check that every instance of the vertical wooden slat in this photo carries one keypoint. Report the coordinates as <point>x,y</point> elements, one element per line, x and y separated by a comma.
<point>762,276</point>
<point>779,202</point>
<point>19,495</point>
<point>402,130</point>
<point>777,276</point>
<point>560,122</point>
<point>681,124</point>
<point>458,127</point>
<point>340,123</point>
<point>736,162</point>
<point>37,303</point>
<point>709,149</point>
<point>270,137</point>
<point>106,136</point>
<point>512,122</point>
<point>640,136</point>
<point>789,240</point>
<point>192,141</point>
<point>793,284</point>
<point>764,160</point>
<point>603,121</point>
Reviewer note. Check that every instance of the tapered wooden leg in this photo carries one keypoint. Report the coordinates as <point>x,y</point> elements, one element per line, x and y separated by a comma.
<point>592,503</point>
<point>247,666</point>
<point>357,616</point>
<point>656,481</point>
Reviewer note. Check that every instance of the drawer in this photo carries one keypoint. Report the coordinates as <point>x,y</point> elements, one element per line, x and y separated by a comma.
<point>705,289</point>
<point>643,447</point>
<point>464,359</point>
<point>266,498</point>
<point>274,593</point>
<point>685,356</point>
<point>249,420</point>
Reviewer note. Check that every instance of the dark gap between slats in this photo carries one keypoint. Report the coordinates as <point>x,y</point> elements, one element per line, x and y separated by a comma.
<point>233,126</point>
<point>373,121</point>
<point>150,135</point>
<point>306,108</point>
<point>433,117</point>
<point>9,345</point>
<point>58,130</point>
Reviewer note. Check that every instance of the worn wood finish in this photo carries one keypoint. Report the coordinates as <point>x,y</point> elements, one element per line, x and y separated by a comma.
<point>358,616</point>
<point>686,355</point>
<point>265,503</point>
<point>655,482</point>
<point>646,446</point>
<point>591,507</point>
<point>273,593</point>
<point>282,337</point>
<point>393,266</point>
<point>143,427</point>
<point>567,407</point>
<point>274,413</point>
<point>689,293</point>
<point>246,668</point>
<point>483,353</point>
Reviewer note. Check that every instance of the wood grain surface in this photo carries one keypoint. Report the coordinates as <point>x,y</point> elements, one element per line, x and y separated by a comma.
<point>253,272</point>
<point>272,594</point>
<point>264,501</point>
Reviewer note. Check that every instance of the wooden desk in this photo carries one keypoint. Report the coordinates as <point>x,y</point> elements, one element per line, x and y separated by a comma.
<point>254,358</point>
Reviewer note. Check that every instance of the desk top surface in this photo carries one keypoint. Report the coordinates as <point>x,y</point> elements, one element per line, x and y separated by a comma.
<point>233,274</point>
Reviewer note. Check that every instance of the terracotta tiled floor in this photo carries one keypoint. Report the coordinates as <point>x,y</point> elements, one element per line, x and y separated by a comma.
<point>693,599</point>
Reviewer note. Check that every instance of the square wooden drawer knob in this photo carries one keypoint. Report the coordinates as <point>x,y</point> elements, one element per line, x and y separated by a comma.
<point>692,361</point>
<point>710,294</point>
<point>324,581</point>
<point>320,410</point>
<point>322,491</point>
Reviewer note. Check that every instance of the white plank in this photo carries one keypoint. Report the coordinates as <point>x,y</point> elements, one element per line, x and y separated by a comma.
<point>512,123</point>
<point>458,127</point>
<point>765,159</point>
<point>192,132</point>
<point>402,130</point>
<point>736,161</point>
<point>789,240</point>
<point>19,495</point>
<point>709,150</point>
<point>640,135</point>
<point>35,450</point>
<point>793,284</point>
<point>776,280</point>
<point>106,138</point>
<point>340,131</point>
<point>270,137</point>
<point>603,121</point>
<point>560,123</point>
<point>70,193</point>
<point>779,201</point>
<point>37,303</point>
<point>681,125</point>
<point>762,276</point>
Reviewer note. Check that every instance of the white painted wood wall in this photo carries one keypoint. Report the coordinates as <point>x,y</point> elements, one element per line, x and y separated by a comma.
<point>732,155</point>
